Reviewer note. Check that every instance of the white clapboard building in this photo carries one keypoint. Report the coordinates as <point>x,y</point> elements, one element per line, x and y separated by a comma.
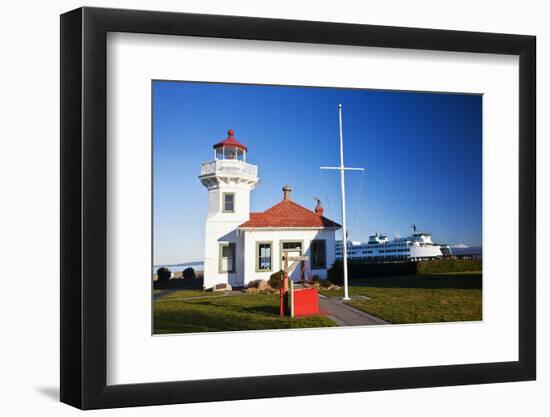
<point>241,246</point>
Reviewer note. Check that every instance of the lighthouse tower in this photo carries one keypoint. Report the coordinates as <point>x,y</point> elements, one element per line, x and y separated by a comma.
<point>229,180</point>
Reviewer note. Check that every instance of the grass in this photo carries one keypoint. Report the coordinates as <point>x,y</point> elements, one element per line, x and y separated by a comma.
<point>177,312</point>
<point>183,294</point>
<point>419,298</point>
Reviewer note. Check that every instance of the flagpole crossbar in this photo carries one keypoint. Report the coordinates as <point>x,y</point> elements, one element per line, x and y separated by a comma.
<point>344,168</point>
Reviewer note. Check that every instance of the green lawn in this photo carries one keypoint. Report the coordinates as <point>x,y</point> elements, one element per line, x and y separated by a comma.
<point>178,313</point>
<point>419,298</point>
<point>182,294</point>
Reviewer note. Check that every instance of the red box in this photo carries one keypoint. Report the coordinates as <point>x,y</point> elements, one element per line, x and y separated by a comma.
<point>306,302</point>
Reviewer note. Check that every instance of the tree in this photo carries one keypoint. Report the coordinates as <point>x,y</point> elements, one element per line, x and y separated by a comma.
<point>164,274</point>
<point>188,273</point>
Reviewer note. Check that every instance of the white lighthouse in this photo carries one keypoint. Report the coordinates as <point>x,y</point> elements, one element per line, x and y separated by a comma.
<point>229,180</point>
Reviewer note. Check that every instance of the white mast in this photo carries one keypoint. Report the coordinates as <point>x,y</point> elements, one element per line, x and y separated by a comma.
<point>343,168</point>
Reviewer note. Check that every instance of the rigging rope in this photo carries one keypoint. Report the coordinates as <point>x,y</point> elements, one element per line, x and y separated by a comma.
<point>324,186</point>
<point>357,201</point>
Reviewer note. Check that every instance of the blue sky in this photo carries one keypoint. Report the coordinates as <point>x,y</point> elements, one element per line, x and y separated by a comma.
<point>422,153</point>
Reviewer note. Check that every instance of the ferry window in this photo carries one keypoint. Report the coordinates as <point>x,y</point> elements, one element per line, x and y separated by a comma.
<point>228,202</point>
<point>227,257</point>
<point>319,254</point>
<point>263,256</point>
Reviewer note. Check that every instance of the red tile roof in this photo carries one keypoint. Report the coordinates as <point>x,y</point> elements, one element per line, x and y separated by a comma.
<point>230,141</point>
<point>288,214</point>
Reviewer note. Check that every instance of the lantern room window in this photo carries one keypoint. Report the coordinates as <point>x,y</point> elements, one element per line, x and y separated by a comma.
<point>230,149</point>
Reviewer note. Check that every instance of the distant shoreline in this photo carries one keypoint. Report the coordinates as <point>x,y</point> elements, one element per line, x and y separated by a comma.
<point>196,265</point>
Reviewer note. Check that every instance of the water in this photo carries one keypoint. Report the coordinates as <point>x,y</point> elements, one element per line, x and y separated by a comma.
<point>197,266</point>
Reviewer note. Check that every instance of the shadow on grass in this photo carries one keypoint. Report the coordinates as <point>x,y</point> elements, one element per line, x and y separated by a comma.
<point>269,310</point>
<point>455,281</point>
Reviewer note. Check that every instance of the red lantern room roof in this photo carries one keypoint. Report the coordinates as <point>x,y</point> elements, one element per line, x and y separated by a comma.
<point>230,141</point>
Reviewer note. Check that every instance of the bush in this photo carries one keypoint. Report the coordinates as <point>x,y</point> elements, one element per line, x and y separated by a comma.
<point>276,280</point>
<point>361,269</point>
<point>336,273</point>
<point>326,283</point>
<point>440,266</point>
<point>188,273</point>
<point>163,274</point>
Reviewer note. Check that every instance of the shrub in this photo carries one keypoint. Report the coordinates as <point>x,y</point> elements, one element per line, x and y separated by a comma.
<point>440,266</point>
<point>361,269</point>
<point>164,274</point>
<point>336,273</point>
<point>326,283</point>
<point>276,280</point>
<point>188,273</point>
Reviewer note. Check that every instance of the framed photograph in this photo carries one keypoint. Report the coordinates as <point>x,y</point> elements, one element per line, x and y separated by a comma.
<point>258,208</point>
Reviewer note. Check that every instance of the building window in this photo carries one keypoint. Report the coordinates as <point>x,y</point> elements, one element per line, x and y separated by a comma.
<point>227,257</point>
<point>291,248</point>
<point>263,256</point>
<point>318,254</point>
<point>228,202</point>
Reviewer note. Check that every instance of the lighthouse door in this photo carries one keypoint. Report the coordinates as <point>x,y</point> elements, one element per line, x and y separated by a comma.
<point>293,248</point>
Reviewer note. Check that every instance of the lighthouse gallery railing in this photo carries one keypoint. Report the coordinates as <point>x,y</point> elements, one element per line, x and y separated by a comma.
<point>228,166</point>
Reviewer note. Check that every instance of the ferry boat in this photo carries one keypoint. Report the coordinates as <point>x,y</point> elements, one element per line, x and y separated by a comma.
<point>417,246</point>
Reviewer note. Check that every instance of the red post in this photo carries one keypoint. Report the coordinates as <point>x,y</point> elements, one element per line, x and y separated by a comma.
<point>283,286</point>
<point>282,296</point>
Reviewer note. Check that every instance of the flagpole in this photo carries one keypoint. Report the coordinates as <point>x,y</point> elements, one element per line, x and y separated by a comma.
<point>342,168</point>
<point>343,197</point>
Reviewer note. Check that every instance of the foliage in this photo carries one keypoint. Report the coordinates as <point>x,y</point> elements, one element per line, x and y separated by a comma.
<point>163,274</point>
<point>325,283</point>
<point>335,273</point>
<point>276,280</point>
<point>449,265</point>
<point>188,273</point>
<point>362,269</point>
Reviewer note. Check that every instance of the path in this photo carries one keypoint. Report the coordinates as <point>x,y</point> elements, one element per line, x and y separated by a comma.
<point>345,315</point>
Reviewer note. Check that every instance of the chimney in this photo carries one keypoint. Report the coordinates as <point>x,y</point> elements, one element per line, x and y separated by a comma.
<point>319,210</point>
<point>286,193</point>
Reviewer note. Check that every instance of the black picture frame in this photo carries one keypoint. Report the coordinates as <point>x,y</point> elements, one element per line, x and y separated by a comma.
<point>84,207</point>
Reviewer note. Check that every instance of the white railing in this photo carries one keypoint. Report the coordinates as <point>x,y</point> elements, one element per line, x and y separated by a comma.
<point>228,166</point>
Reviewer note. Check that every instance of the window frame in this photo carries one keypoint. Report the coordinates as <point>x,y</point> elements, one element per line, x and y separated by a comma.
<point>223,202</point>
<point>257,263</point>
<point>324,242</point>
<point>281,244</point>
